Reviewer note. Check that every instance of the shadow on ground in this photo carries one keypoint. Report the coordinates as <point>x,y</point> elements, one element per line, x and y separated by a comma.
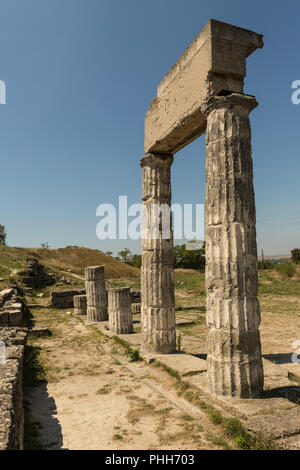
<point>282,358</point>
<point>42,410</point>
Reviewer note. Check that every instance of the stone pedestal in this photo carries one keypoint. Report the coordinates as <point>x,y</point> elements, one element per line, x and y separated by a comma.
<point>157,273</point>
<point>96,294</point>
<point>119,310</point>
<point>233,315</point>
<point>80,307</point>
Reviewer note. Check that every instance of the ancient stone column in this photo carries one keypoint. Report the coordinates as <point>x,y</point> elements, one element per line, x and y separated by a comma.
<point>119,310</point>
<point>157,273</point>
<point>233,315</point>
<point>96,294</point>
<point>79,304</point>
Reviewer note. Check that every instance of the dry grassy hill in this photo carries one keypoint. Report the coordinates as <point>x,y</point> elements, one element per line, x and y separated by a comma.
<point>72,258</point>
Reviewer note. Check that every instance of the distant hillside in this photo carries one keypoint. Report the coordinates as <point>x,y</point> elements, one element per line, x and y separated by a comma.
<point>71,258</point>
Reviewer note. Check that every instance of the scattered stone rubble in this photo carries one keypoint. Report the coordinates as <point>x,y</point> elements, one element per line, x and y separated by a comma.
<point>64,298</point>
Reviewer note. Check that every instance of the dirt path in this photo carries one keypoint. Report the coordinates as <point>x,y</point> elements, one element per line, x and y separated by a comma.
<point>94,399</point>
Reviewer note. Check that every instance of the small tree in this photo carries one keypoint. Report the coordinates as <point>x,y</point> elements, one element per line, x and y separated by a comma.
<point>45,245</point>
<point>296,255</point>
<point>2,235</point>
<point>125,255</point>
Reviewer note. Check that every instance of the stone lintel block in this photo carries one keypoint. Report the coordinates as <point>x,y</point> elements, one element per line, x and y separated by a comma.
<point>215,61</point>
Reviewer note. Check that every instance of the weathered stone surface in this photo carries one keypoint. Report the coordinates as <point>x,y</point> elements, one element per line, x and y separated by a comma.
<point>157,273</point>
<point>39,330</point>
<point>96,294</point>
<point>289,443</point>
<point>11,389</point>
<point>184,364</point>
<point>233,315</point>
<point>11,307</point>
<point>119,310</point>
<point>215,61</point>
<point>80,304</point>
<point>281,424</point>
<point>64,298</point>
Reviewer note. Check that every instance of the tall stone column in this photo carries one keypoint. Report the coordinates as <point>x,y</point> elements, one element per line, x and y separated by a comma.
<point>119,310</point>
<point>157,274</point>
<point>96,294</point>
<point>233,315</point>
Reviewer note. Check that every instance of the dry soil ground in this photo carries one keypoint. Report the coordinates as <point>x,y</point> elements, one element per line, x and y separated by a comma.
<point>92,397</point>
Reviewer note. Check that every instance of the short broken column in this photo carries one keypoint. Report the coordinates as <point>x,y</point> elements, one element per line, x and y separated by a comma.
<point>80,307</point>
<point>234,361</point>
<point>119,310</point>
<point>157,273</point>
<point>96,294</point>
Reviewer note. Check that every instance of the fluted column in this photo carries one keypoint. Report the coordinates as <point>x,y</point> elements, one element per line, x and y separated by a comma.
<point>79,304</point>
<point>96,294</point>
<point>157,273</point>
<point>119,310</point>
<point>233,314</point>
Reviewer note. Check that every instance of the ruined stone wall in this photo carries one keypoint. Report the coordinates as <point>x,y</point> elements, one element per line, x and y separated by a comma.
<point>64,298</point>
<point>35,276</point>
<point>11,307</point>
<point>11,389</point>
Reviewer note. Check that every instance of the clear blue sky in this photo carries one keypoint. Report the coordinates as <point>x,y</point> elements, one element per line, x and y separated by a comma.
<point>80,75</point>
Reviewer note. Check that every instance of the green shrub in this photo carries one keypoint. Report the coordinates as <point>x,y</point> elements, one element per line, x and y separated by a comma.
<point>133,355</point>
<point>286,270</point>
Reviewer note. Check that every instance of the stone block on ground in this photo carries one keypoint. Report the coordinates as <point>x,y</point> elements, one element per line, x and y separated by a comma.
<point>64,298</point>
<point>185,364</point>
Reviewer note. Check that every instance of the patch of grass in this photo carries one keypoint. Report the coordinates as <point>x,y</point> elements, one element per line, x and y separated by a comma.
<point>173,373</point>
<point>218,441</point>
<point>118,437</point>
<point>133,355</point>
<point>164,411</point>
<point>104,390</point>
<point>186,418</point>
<point>179,342</point>
<point>34,369</point>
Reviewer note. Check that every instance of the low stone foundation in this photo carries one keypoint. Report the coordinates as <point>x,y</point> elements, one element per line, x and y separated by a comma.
<point>11,307</point>
<point>35,276</point>
<point>64,298</point>
<point>11,389</point>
